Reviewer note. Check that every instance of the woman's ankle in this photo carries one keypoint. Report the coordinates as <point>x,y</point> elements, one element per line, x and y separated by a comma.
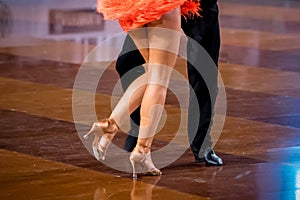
<point>142,148</point>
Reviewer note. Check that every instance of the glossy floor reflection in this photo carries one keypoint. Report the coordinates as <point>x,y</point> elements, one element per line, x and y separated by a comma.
<point>43,157</point>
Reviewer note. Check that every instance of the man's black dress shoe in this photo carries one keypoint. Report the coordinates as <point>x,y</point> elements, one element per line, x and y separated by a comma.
<point>210,158</point>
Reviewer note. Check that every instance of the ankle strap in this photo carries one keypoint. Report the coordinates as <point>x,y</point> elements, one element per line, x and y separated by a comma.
<point>112,121</point>
<point>144,146</point>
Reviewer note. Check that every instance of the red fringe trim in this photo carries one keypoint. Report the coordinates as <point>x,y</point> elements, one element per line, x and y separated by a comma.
<point>190,8</point>
<point>135,13</point>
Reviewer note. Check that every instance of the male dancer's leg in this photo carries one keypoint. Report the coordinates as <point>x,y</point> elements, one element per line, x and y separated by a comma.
<point>205,31</point>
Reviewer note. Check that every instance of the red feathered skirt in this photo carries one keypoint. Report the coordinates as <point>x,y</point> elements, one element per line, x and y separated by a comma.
<point>136,13</point>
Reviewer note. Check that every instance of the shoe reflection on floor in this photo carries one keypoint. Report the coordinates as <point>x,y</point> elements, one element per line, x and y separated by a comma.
<point>139,191</point>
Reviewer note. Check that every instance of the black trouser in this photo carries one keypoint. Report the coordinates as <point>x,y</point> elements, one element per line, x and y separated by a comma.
<point>205,31</point>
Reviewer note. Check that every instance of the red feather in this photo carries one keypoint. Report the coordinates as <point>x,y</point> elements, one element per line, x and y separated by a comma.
<point>190,8</point>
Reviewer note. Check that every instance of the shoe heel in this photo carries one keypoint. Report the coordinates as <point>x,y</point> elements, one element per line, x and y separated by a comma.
<point>92,130</point>
<point>96,153</point>
<point>133,164</point>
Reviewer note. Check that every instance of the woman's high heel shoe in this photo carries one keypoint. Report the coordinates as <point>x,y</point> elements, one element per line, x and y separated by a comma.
<point>145,161</point>
<point>99,146</point>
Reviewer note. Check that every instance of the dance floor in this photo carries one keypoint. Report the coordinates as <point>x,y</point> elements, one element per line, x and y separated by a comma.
<point>43,157</point>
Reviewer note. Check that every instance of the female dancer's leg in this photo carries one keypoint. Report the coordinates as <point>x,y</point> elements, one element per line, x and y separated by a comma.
<point>149,90</point>
<point>163,48</point>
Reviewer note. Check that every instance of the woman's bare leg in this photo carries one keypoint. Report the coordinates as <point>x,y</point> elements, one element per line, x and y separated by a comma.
<point>150,89</point>
<point>163,48</point>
